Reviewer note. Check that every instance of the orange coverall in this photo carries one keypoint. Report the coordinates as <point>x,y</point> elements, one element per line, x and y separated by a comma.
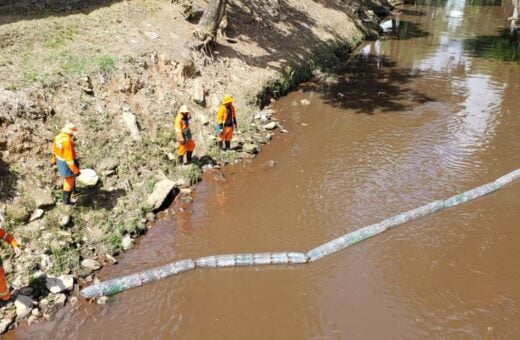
<point>226,122</point>
<point>4,289</point>
<point>183,134</point>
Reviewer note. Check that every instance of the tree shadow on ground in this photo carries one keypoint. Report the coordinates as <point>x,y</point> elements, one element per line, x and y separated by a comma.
<point>99,199</point>
<point>503,47</point>
<point>8,181</point>
<point>371,83</point>
<point>272,29</point>
<point>22,11</point>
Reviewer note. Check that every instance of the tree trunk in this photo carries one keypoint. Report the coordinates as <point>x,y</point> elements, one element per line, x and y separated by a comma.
<point>206,32</point>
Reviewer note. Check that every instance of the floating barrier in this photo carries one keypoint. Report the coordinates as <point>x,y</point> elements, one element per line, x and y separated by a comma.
<point>256,259</point>
<point>117,285</point>
<point>120,284</point>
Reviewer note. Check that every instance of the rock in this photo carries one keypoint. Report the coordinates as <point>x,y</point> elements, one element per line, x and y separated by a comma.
<point>23,306</point>
<point>18,213</point>
<point>87,178</point>
<point>270,126</point>
<point>86,85</point>
<point>186,199</point>
<point>37,214</point>
<point>250,148</point>
<point>64,220</point>
<point>35,312</point>
<point>90,264</point>
<point>41,198</point>
<point>59,284</point>
<point>186,191</point>
<point>45,262</point>
<point>108,163</point>
<point>111,258</point>
<point>27,291</point>
<point>43,303</point>
<point>74,301</point>
<point>127,242</point>
<point>4,324</point>
<point>198,92</point>
<point>32,320</point>
<point>131,124</point>
<point>160,192</point>
<point>102,300</point>
<point>305,102</point>
<point>59,300</point>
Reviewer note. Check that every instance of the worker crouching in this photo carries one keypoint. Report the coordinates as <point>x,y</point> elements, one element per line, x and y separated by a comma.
<point>226,123</point>
<point>184,141</point>
<point>64,156</point>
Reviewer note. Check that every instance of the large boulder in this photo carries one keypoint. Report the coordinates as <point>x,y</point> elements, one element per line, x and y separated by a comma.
<point>42,198</point>
<point>160,192</point>
<point>198,92</point>
<point>131,124</point>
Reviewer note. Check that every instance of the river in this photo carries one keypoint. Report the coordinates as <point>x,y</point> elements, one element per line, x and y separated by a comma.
<point>429,110</point>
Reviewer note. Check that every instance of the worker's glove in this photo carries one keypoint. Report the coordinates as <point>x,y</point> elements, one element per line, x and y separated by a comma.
<point>17,251</point>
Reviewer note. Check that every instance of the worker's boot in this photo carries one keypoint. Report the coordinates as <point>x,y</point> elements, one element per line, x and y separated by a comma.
<point>189,156</point>
<point>66,197</point>
<point>228,145</point>
<point>180,160</point>
<point>220,145</point>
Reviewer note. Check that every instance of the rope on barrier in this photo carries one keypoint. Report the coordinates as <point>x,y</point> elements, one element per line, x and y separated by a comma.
<point>120,284</point>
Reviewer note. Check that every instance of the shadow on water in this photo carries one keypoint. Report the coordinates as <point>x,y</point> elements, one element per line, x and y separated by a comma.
<point>403,30</point>
<point>8,180</point>
<point>413,12</point>
<point>14,11</point>
<point>503,47</point>
<point>373,83</point>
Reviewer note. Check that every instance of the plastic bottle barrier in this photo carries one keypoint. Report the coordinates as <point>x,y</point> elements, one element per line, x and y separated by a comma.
<point>120,284</point>
<point>235,260</point>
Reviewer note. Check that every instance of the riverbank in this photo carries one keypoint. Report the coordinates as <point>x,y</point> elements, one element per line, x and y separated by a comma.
<point>123,97</point>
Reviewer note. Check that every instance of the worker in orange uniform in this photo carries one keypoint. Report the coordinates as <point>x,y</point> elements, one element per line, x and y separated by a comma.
<point>64,156</point>
<point>226,123</point>
<point>184,141</point>
<point>5,295</point>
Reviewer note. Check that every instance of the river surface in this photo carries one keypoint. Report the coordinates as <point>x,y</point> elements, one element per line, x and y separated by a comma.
<point>430,110</point>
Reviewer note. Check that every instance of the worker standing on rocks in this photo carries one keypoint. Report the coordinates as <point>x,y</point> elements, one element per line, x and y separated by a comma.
<point>5,295</point>
<point>184,142</point>
<point>226,123</point>
<point>64,156</point>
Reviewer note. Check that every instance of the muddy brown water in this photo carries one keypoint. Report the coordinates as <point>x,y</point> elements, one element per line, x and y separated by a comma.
<point>431,110</point>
